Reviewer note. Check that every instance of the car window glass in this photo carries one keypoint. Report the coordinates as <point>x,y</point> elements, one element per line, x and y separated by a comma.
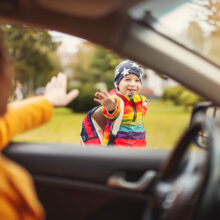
<point>196,25</point>
<point>37,55</point>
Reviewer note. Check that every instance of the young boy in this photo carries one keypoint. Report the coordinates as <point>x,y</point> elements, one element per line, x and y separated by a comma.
<point>127,81</point>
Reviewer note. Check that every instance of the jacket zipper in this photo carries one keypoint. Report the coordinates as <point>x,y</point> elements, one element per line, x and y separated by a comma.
<point>134,107</point>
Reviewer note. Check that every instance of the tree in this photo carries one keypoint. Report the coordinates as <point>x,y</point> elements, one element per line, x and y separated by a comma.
<point>95,64</point>
<point>80,63</point>
<point>33,55</point>
<point>102,65</point>
<point>208,12</point>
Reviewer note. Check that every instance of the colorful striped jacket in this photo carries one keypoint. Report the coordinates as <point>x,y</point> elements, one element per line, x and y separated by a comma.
<point>131,132</point>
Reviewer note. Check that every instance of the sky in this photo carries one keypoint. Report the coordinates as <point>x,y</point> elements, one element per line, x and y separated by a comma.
<point>69,42</point>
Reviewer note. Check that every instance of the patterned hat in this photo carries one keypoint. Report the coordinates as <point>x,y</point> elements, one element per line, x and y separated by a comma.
<point>124,68</point>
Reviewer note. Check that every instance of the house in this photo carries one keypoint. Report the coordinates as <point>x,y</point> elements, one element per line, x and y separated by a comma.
<point>154,84</point>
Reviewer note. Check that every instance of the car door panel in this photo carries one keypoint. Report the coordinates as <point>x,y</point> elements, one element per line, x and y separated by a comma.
<point>71,181</point>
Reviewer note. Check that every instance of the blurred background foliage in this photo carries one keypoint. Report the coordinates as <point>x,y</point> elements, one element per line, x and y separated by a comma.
<point>85,101</point>
<point>94,64</point>
<point>181,96</point>
<point>93,69</point>
<point>33,53</point>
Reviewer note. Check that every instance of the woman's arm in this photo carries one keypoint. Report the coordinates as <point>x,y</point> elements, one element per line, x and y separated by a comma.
<point>30,113</point>
<point>22,116</point>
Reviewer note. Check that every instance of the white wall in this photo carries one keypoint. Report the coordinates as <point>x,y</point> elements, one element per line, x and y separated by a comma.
<point>156,83</point>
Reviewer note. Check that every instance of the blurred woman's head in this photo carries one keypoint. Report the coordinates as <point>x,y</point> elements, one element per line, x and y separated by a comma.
<point>5,79</point>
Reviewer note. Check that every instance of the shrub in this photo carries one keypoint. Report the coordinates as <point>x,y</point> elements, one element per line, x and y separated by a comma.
<point>189,99</point>
<point>85,101</point>
<point>181,96</point>
<point>173,94</point>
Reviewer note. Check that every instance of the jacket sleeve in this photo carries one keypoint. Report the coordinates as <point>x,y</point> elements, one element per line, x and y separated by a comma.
<point>22,116</point>
<point>112,116</point>
<point>144,105</point>
<point>18,197</point>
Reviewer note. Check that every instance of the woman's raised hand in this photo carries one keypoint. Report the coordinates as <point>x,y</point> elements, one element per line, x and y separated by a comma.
<point>55,91</point>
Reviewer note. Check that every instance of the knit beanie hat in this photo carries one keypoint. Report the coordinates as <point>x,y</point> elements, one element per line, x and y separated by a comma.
<point>124,68</point>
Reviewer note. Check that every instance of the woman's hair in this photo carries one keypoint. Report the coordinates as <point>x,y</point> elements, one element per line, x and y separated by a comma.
<point>5,64</point>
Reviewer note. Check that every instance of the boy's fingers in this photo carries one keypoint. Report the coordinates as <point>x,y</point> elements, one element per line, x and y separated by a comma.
<point>99,95</point>
<point>97,100</point>
<point>106,93</point>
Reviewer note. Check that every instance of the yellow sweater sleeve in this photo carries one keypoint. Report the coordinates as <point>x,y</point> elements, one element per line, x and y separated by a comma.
<point>18,198</point>
<point>22,116</point>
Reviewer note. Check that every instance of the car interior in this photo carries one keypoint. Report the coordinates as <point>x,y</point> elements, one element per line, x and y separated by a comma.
<point>105,183</point>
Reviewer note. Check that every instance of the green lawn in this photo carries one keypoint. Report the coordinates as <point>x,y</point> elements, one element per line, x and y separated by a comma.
<point>164,124</point>
<point>63,127</point>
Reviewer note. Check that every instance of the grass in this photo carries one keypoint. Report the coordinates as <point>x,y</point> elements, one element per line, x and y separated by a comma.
<point>164,124</point>
<point>63,127</point>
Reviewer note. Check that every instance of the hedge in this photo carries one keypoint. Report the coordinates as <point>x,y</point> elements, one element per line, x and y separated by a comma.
<point>85,101</point>
<point>181,96</point>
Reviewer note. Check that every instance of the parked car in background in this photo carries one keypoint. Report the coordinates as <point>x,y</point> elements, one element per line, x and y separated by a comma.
<point>106,183</point>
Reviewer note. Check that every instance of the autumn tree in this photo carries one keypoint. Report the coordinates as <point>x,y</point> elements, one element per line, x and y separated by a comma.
<point>206,40</point>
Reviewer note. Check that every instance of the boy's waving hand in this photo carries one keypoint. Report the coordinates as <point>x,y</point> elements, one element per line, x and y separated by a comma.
<point>106,100</point>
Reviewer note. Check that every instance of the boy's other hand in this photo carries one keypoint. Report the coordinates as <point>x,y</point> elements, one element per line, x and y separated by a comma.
<point>55,91</point>
<point>106,100</point>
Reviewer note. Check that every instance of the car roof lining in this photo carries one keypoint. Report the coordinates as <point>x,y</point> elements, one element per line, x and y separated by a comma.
<point>82,8</point>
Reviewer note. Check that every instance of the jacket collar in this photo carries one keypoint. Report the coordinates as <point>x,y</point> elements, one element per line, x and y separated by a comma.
<point>126,97</point>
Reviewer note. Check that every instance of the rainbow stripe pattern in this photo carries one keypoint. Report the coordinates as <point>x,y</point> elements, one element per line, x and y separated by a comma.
<point>131,132</point>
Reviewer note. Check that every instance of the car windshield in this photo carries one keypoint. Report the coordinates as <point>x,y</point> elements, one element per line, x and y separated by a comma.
<point>194,24</point>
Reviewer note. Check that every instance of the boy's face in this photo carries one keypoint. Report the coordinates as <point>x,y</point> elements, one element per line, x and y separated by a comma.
<point>130,85</point>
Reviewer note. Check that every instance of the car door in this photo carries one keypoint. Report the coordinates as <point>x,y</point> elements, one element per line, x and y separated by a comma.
<point>72,182</point>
